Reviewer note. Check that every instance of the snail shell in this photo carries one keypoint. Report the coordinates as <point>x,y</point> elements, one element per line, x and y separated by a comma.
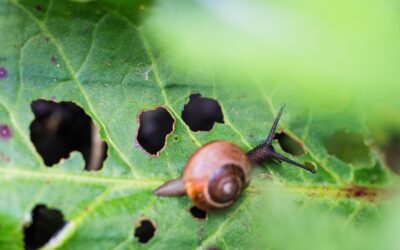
<point>216,174</point>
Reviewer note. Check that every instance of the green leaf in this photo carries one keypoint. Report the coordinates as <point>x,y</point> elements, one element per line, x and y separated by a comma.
<point>108,64</point>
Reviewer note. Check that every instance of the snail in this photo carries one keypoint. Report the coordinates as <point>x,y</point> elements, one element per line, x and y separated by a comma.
<point>216,174</point>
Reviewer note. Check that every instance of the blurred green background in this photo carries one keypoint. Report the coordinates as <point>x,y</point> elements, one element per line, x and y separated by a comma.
<point>334,51</point>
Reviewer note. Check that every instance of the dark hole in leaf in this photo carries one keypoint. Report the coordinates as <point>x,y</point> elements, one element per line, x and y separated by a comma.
<point>46,223</point>
<point>213,248</point>
<point>154,127</point>
<point>5,132</point>
<point>145,231</point>
<point>392,153</point>
<point>60,128</point>
<point>198,213</point>
<point>201,113</point>
<point>289,144</point>
<point>348,147</point>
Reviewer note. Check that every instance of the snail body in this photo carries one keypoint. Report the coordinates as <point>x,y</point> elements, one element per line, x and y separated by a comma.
<point>216,174</point>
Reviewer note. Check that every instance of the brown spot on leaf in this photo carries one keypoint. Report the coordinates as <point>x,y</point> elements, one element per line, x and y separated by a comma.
<point>367,193</point>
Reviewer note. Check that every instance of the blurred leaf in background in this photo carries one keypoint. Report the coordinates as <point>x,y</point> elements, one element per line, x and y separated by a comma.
<point>334,52</point>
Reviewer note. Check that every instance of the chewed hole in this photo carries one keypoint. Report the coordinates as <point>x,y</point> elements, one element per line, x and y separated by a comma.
<point>154,127</point>
<point>60,128</point>
<point>201,113</point>
<point>45,225</point>
<point>349,147</point>
<point>145,231</point>
<point>198,213</point>
<point>289,144</point>
<point>214,248</point>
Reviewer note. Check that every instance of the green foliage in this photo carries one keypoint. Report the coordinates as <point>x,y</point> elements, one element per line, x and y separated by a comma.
<point>109,63</point>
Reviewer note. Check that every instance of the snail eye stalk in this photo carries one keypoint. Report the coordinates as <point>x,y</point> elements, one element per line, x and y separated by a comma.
<point>271,134</point>
<point>266,151</point>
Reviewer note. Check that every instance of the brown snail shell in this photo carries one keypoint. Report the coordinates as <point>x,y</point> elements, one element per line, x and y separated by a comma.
<point>216,174</point>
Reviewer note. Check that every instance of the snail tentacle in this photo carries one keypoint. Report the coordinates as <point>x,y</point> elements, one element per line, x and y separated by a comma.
<point>266,151</point>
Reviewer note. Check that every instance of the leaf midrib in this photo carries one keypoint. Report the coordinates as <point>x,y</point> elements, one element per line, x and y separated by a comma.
<point>82,178</point>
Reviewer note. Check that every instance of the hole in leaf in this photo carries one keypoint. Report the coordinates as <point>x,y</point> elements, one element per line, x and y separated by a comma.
<point>145,231</point>
<point>201,113</point>
<point>213,248</point>
<point>348,147</point>
<point>198,213</point>
<point>60,128</point>
<point>46,223</point>
<point>290,144</point>
<point>154,127</point>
